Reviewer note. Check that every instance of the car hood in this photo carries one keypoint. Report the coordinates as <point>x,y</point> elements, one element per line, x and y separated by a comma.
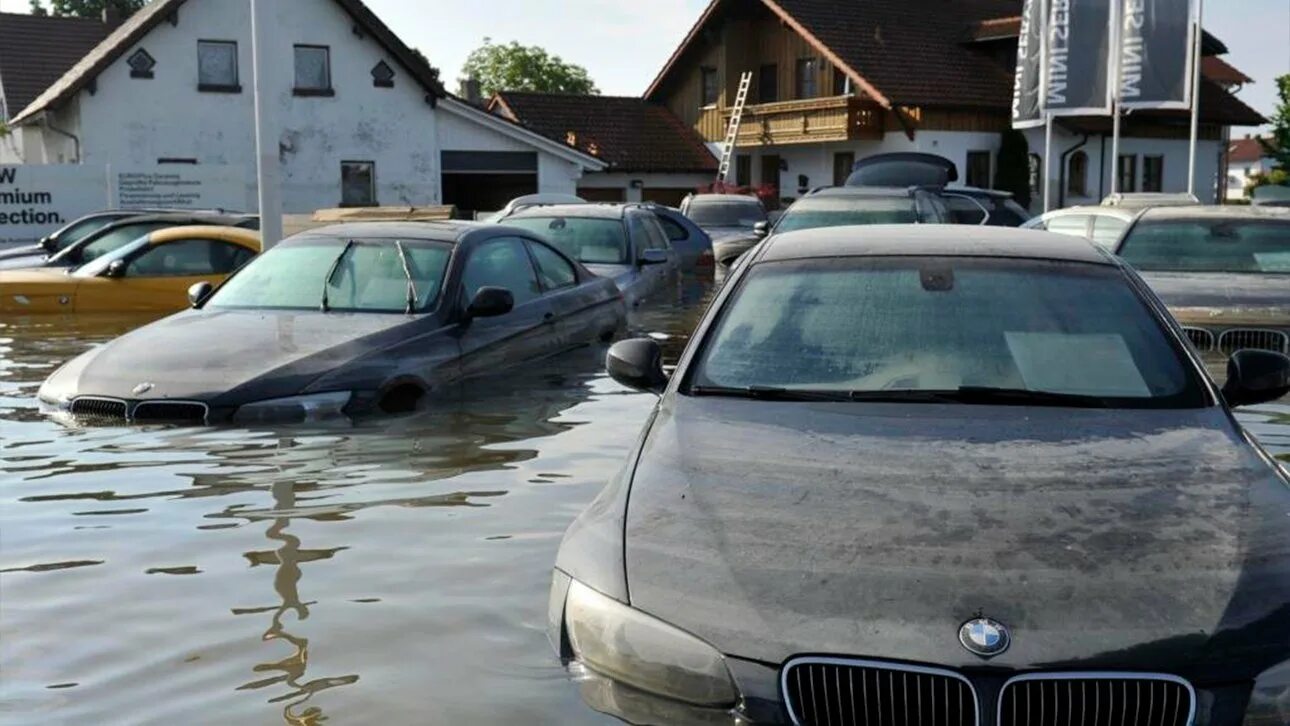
<point>226,357</point>
<point>1102,539</point>
<point>25,260</point>
<point>1222,292</point>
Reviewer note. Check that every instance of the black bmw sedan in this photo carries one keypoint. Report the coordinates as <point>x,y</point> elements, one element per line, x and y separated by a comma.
<point>935,476</point>
<point>346,320</point>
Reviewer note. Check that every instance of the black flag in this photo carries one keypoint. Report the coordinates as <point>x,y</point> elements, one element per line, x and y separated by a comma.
<point>1026,110</point>
<point>1078,59</point>
<point>1158,52</point>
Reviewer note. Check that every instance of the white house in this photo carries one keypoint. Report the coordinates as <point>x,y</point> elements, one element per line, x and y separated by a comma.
<point>363,119</point>
<point>1245,158</point>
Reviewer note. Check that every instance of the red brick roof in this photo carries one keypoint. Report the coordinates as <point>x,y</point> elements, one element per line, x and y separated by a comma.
<point>1220,71</point>
<point>1245,151</point>
<point>35,51</point>
<point>631,134</point>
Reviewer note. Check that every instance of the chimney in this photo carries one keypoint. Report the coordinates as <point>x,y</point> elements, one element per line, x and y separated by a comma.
<point>470,91</point>
<point>111,14</point>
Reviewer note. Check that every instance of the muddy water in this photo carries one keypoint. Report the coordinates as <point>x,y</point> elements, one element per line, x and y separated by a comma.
<point>390,572</point>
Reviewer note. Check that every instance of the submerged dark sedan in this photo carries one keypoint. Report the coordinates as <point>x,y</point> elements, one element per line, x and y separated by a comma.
<point>935,476</point>
<point>349,319</point>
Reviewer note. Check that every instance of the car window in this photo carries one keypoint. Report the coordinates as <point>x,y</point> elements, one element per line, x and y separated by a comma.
<point>367,276</point>
<point>84,228</point>
<point>589,240</point>
<point>964,210</point>
<point>943,324</point>
<point>674,231</point>
<point>931,209</point>
<point>112,240</point>
<point>656,238</point>
<point>734,212</point>
<point>501,263</point>
<point>554,271</point>
<point>815,212</point>
<point>1209,245</point>
<point>1075,225</point>
<point>1107,230</point>
<point>188,258</point>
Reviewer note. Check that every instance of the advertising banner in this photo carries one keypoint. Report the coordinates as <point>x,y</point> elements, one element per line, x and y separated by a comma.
<point>1026,106</point>
<point>1157,53</point>
<point>1081,35</point>
<point>180,186</point>
<point>38,199</point>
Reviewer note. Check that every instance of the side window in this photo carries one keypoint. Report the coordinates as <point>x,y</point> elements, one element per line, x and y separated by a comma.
<point>641,240</point>
<point>930,210</point>
<point>188,258</point>
<point>554,271</point>
<point>501,263</point>
<point>1075,225</point>
<point>657,237</point>
<point>674,231</point>
<point>1107,230</point>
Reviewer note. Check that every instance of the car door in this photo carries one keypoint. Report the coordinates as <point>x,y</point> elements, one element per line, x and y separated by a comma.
<point>647,234</point>
<point>157,277</point>
<point>573,307</point>
<point>527,332</point>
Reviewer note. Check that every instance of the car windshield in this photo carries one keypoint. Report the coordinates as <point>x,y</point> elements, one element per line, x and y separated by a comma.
<point>1209,245</point>
<point>79,230</point>
<point>964,329</point>
<point>590,240</point>
<point>726,213</point>
<point>109,240</point>
<point>366,276</point>
<point>844,211</point>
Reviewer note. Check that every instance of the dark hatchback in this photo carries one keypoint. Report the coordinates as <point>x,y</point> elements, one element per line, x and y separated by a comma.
<point>346,320</point>
<point>944,476</point>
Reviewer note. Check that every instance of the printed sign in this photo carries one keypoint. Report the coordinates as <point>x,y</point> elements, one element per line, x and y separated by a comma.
<point>1026,111</point>
<point>1157,53</point>
<point>180,186</point>
<point>38,199</point>
<point>1081,34</point>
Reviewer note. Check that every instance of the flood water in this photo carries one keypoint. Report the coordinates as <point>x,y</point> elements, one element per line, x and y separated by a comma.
<point>395,571</point>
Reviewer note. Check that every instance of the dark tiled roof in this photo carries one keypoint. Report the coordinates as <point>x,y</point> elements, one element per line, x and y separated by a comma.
<point>1246,151</point>
<point>142,22</point>
<point>1220,71</point>
<point>631,134</point>
<point>35,51</point>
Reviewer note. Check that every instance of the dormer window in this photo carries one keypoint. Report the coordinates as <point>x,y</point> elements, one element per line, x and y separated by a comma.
<point>141,64</point>
<point>383,75</point>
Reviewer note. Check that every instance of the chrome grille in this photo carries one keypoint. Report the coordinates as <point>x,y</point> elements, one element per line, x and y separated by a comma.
<point>1252,338</point>
<point>178,411</point>
<point>837,692</point>
<point>98,407</point>
<point>1201,338</point>
<point>1096,699</point>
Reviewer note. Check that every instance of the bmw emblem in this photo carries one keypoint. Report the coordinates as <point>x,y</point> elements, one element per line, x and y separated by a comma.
<point>984,637</point>
<point>142,388</point>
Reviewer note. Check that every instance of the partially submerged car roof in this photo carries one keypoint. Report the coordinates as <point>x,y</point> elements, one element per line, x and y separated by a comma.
<point>857,192</point>
<point>1226,211</point>
<point>451,232</point>
<point>577,211</point>
<point>930,240</point>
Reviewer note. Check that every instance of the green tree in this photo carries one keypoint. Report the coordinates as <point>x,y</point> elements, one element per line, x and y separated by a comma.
<point>1277,146</point>
<point>515,67</point>
<point>1013,172</point>
<point>86,8</point>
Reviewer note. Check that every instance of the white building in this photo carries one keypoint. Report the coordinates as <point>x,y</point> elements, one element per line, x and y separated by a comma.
<point>1246,158</point>
<point>364,120</point>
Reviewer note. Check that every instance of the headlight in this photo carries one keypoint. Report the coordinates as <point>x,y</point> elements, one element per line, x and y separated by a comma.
<point>1270,701</point>
<point>313,407</point>
<point>637,649</point>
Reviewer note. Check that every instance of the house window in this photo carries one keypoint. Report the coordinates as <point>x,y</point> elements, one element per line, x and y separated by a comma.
<point>1128,173</point>
<point>1077,182</point>
<point>768,83</point>
<point>978,169</point>
<point>711,88</point>
<point>843,162</point>
<point>217,66</point>
<point>313,70</point>
<point>358,184</point>
<point>1153,173</point>
<point>743,170</point>
<point>841,84</point>
<point>808,71</point>
<point>141,64</point>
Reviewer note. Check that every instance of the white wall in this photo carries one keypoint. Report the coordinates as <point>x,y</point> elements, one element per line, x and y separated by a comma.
<point>1239,174</point>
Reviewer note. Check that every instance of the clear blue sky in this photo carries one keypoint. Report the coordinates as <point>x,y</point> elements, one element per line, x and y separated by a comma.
<point>623,43</point>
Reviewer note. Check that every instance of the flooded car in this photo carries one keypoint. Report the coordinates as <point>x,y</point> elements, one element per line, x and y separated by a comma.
<point>622,242</point>
<point>1008,487</point>
<point>1224,272</point>
<point>346,320</point>
<point>113,236</point>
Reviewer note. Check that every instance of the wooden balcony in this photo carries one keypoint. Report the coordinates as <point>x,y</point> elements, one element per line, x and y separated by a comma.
<point>838,118</point>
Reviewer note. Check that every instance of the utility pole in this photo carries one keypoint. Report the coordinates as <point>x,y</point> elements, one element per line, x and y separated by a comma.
<point>266,138</point>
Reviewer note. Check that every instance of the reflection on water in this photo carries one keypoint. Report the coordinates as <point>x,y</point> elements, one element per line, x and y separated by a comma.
<point>391,571</point>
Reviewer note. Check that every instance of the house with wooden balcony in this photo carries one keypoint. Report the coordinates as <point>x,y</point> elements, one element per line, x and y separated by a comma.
<point>834,81</point>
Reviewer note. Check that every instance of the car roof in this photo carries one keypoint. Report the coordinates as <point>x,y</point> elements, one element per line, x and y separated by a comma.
<point>979,192</point>
<point>576,211</point>
<point>930,240</point>
<point>894,192</point>
<point>215,218</point>
<point>1216,212</point>
<point>245,237</point>
<point>725,198</point>
<point>446,231</point>
<point>1124,213</point>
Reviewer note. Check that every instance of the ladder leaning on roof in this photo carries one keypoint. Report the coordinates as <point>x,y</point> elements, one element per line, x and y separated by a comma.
<point>732,133</point>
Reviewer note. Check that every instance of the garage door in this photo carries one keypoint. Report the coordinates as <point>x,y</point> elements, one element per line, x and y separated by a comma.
<point>484,181</point>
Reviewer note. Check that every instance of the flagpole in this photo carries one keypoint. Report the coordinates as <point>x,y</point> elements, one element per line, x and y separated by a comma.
<point>1117,89</point>
<point>1195,96</point>
<point>1044,30</point>
<point>266,143</point>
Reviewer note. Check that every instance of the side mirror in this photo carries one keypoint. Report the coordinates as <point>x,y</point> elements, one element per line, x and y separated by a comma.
<point>116,269</point>
<point>1256,376</point>
<point>761,229</point>
<point>653,257</point>
<point>638,364</point>
<point>198,293</point>
<point>490,302</point>
<point>48,244</point>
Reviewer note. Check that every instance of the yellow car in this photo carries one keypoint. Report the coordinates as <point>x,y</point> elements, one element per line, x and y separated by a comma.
<point>151,274</point>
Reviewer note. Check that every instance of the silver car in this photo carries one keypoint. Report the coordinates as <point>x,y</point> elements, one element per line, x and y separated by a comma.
<point>1102,225</point>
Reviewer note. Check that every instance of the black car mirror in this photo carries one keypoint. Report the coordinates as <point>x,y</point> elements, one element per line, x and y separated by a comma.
<point>638,364</point>
<point>49,244</point>
<point>490,302</point>
<point>1256,376</point>
<point>653,257</point>
<point>115,269</point>
<point>198,293</point>
<point>761,229</point>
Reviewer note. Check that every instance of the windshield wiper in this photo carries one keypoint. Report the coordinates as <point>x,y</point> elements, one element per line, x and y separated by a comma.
<point>331,272</point>
<point>769,393</point>
<point>1024,397</point>
<point>407,272</point>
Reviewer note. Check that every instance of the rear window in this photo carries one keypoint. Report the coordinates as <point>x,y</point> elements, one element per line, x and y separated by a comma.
<point>589,240</point>
<point>843,211</point>
<point>1217,245</point>
<point>732,213</point>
